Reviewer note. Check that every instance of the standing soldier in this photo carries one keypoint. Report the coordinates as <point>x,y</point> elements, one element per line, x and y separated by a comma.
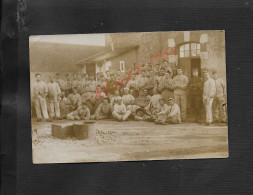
<point>168,68</point>
<point>157,69</point>
<point>39,92</point>
<point>219,111</point>
<point>195,86</point>
<point>151,83</point>
<point>141,81</point>
<point>74,81</point>
<point>54,93</point>
<point>180,83</point>
<point>92,87</point>
<point>62,84</point>
<point>68,89</point>
<point>209,92</point>
<point>168,90</point>
<point>132,85</point>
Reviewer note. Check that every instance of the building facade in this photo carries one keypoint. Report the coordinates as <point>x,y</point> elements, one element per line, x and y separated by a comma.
<point>187,49</point>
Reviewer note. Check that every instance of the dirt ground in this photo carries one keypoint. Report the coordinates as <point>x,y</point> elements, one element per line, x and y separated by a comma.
<point>130,141</point>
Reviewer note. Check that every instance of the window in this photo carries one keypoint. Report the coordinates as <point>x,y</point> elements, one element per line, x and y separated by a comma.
<point>122,66</point>
<point>189,50</point>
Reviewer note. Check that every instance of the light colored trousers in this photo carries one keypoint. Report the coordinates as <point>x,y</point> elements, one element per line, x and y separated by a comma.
<point>41,106</point>
<point>54,109</point>
<point>123,116</point>
<point>174,120</point>
<point>208,108</point>
<point>181,101</point>
<point>219,111</point>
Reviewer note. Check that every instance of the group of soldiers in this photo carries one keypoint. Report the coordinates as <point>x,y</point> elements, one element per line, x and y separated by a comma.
<point>155,93</point>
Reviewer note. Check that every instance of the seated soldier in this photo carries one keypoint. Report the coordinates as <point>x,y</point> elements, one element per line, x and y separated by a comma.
<point>173,115</point>
<point>120,112</point>
<point>162,111</point>
<point>74,99</point>
<point>141,115</point>
<point>143,100</point>
<point>127,98</point>
<point>82,112</point>
<point>103,110</point>
<point>88,98</point>
<point>132,107</point>
<point>113,100</point>
<point>151,109</point>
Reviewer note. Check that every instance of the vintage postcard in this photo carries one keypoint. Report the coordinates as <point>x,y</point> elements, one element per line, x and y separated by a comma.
<point>128,96</point>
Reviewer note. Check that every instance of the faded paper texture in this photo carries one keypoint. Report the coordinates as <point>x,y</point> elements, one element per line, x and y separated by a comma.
<point>128,96</point>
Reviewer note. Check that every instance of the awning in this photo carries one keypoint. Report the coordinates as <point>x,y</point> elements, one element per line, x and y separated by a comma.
<point>107,55</point>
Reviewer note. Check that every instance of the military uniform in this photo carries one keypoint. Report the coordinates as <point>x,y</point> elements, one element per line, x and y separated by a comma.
<point>132,85</point>
<point>173,114</point>
<point>64,107</point>
<point>167,88</point>
<point>54,93</point>
<point>89,100</point>
<point>102,112</point>
<point>151,84</point>
<point>127,99</point>
<point>141,81</point>
<point>39,92</point>
<point>62,84</point>
<point>74,100</point>
<point>92,86</point>
<point>151,109</point>
<point>196,88</point>
<point>209,92</point>
<point>180,83</point>
<point>219,112</point>
<point>161,115</point>
<point>82,112</point>
<point>120,112</point>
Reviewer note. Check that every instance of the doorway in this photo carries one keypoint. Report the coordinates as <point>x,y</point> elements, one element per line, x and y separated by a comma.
<point>91,69</point>
<point>188,64</point>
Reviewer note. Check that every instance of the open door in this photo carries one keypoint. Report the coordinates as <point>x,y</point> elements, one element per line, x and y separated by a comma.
<point>91,69</point>
<point>185,64</point>
<point>195,63</point>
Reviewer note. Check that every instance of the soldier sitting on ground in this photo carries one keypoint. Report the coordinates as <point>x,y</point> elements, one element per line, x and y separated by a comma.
<point>173,115</point>
<point>132,107</point>
<point>162,111</point>
<point>151,109</point>
<point>103,110</point>
<point>120,112</point>
<point>141,115</point>
<point>81,113</point>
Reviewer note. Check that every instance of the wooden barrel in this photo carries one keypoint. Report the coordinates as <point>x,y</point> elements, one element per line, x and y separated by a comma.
<point>92,128</point>
<point>80,131</point>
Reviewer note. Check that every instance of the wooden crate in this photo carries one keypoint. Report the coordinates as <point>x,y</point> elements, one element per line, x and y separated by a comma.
<point>62,131</point>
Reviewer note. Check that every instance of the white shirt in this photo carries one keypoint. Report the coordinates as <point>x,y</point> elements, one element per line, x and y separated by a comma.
<point>209,90</point>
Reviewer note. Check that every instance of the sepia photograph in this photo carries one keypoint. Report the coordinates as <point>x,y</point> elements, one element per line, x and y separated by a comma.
<point>128,96</point>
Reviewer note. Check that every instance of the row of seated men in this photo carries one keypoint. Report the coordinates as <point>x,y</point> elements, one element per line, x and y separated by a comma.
<point>143,108</point>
